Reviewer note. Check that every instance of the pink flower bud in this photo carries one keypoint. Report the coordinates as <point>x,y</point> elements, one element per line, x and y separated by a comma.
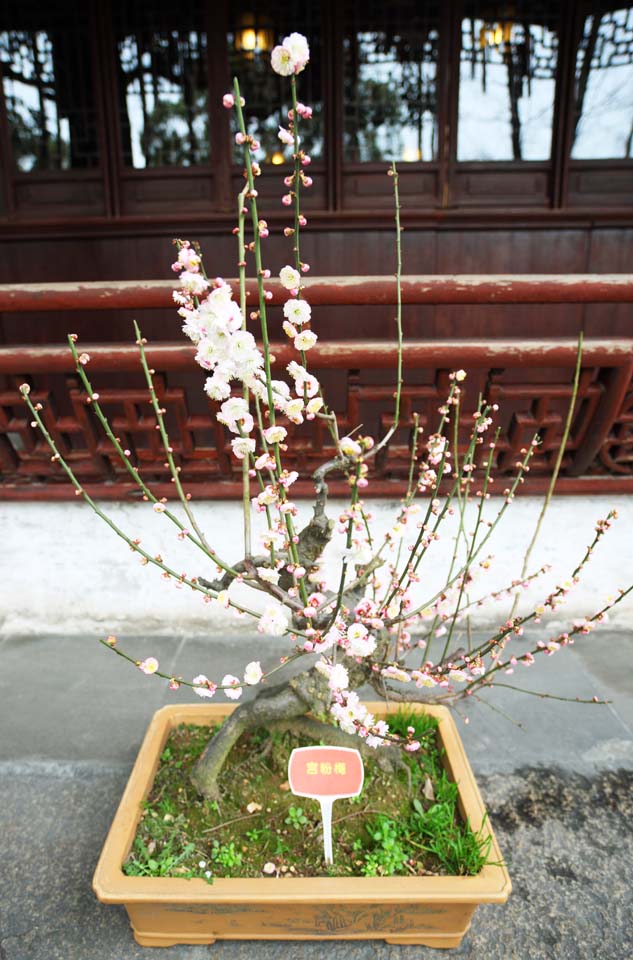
<point>286,199</point>
<point>228,101</point>
<point>240,138</point>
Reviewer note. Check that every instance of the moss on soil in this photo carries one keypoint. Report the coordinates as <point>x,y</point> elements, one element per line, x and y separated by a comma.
<point>391,829</point>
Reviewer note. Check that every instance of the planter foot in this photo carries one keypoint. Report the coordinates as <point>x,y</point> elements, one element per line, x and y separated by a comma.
<point>441,942</point>
<point>168,940</point>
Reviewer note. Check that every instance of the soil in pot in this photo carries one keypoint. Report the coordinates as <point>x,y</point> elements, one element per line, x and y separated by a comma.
<point>403,824</point>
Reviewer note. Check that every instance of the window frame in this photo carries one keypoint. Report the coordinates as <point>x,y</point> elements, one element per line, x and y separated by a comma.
<point>345,191</point>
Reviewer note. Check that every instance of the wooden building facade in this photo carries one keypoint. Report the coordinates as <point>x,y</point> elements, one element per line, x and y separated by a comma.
<point>511,122</point>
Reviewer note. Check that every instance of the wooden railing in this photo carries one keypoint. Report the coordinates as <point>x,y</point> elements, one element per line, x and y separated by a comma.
<point>529,379</point>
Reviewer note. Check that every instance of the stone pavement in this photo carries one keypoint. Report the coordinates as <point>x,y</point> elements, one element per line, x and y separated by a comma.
<point>558,789</point>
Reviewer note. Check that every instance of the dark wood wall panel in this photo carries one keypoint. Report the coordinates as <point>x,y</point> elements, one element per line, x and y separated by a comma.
<point>611,251</point>
<point>42,198</point>
<point>336,253</point>
<point>527,186</point>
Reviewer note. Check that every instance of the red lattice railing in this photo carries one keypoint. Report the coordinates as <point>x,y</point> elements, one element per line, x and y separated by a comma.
<point>530,379</point>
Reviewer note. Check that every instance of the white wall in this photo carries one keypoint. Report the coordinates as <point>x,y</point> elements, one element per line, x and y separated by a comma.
<point>63,571</point>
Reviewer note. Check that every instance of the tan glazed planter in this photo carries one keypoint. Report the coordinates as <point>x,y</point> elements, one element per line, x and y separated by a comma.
<point>431,911</point>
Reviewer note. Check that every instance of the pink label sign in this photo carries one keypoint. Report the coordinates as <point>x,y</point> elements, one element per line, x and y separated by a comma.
<point>320,772</point>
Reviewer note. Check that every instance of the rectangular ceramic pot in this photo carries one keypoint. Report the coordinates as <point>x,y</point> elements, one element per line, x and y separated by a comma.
<point>432,911</point>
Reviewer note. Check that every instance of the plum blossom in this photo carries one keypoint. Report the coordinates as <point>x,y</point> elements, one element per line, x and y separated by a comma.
<point>253,673</point>
<point>268,575</point>
<point>275,434</point>
<point>395,673</point>
<point>149,665</point>
<point>360,643</point>
<point>203,686</point>
<point>232,690</point>
<point>216,387</point>
<point>290,278</point>
<point>286,137</point>
<point>235,412</point>
<point>297,44</point>
<point>350,714</point>
<point>273,621</point>
<point>423,679</point>
<point>457,676</point>
<point>312,407</point>
<point>297,312</point>
<point>193,283</point>
<point>304,381</point>
<point>377,737</point>
<point>242,447</point>
<point>291,56</point>
<point>294,410</point>
<point>350,447</point>
<point>305,340</point>
<point>337,675</point>
<point>281,61</point>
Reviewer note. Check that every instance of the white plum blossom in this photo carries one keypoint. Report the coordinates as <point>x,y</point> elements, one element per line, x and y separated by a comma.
<point>242,447</point>
<point>195,326</point>
<point>294,410</point>
<point>395,673</point>
<point>203,686</point>
<point>233,689</point>
<point>337,675</point>
<point>361,644</point>
<point>272,539</point>
<point>253,673</point>
<point>216,387</point>
<point>275,434</point>
<point>268,575</point>
<point>297,44</point>
<point>297,312</point>
<point>149,665</point>
<point>290,278</point>
<point>282,62</point>
<point>273,621</point>
<point>235,411</point>
<point>376,738</point>
<point>267,496</point>
<point>193,283</point>
<point>304,381</point>
<point>313,406</point>
<point>305,340</point>
<point>329,639</point>
<point>359,553</point>
<point>457,676</point>
<point>350,447</point>
<point>291,56</point>
<point>350,714</point>
<point>286,137</point>
<point>423,679</point>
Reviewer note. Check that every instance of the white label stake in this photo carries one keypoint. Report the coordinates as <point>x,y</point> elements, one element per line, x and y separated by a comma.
<point>326,815</point>
<point>326,774</point>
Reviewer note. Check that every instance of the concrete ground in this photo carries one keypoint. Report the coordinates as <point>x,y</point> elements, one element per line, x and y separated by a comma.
<point>558,789</point>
